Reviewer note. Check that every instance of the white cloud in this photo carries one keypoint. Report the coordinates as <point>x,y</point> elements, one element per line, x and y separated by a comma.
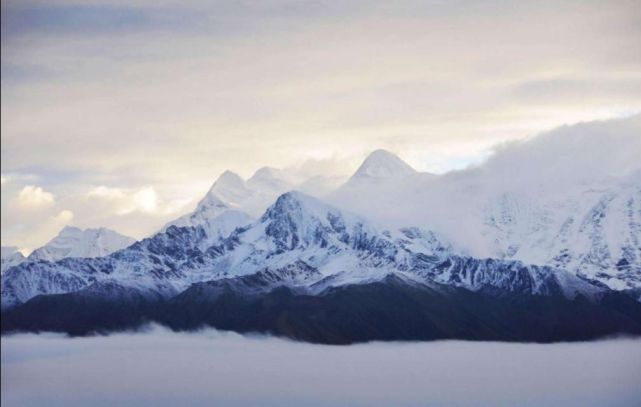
<point>226,369</point>
<point>136,212</point>
<point>568,155</point>
<point>143,200</point>
<point>33,197</point>
<point>106,193</point>
<point>65,216</point>
<point>43,226</point>
<point>3,180</point>
<point>329,166</point>
<point>548,169</point>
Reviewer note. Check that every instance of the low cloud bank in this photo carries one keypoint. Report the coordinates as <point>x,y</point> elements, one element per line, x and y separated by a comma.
<point>162,368</point>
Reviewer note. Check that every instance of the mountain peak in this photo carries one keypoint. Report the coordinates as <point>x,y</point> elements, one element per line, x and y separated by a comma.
<point>228,183</point>
<point>100,232</point>
<point>298,220</point>
<point>75,242</point>
<point>267,172</point>
<point>229,178</point>
<point>382,164</point>
<point>269,179</point>
<point>228,189</point>
<point>69,230</point>
<point>292,200</point>
<point>295,207</point>
<point>298,207</point>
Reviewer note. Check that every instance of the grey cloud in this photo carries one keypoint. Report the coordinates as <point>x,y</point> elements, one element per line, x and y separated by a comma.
<point>218,18</point>
<point>79,19</point>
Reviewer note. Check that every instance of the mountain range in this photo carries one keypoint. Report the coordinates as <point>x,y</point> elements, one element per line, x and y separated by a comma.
<point>392,253</point>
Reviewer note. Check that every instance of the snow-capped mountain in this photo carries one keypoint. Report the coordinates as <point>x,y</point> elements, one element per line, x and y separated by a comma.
<point>381,171</point>
<point>343,248</point>
<point>151,264</point>
<point>498,251</point>
<point>593,232</point>
<point>382,164</point>
<point>70,242</point>
<point>10,257</point>
<point>216,218</point>
<point>75,242</point>
<point>232,193</point>
<point>590,228</point>
<point>180,256</point>
<point>228,192</point>
<point>303,244</point>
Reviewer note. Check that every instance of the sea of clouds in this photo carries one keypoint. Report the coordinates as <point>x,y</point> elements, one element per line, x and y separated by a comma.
<point>161,368</point>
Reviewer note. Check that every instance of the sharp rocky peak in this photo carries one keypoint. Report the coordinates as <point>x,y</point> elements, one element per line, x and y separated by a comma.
<point>297,203</point>
<point>296,219</point>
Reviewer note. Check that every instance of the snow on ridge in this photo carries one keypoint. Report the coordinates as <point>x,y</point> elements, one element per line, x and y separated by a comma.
<point>296,232</point>
<point>76,242</point>
<point>382,164</point>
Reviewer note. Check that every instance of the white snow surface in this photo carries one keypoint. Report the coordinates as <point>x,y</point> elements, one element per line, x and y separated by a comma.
<point>382,164</point>
<point>230,192</point>
<point>75,242</point>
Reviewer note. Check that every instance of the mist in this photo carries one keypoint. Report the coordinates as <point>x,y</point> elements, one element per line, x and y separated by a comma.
<point>163,368</point>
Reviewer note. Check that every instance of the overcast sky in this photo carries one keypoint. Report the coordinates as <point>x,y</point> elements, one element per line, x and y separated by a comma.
<point>115,111</point>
